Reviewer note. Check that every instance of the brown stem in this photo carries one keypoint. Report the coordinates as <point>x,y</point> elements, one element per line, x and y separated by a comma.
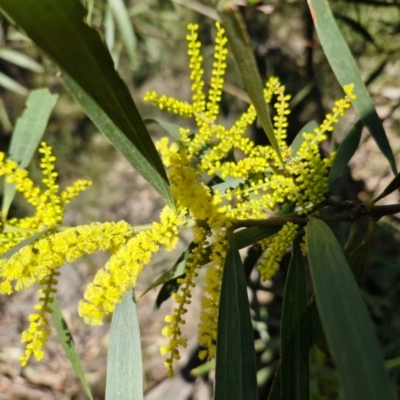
<point>348,212</point>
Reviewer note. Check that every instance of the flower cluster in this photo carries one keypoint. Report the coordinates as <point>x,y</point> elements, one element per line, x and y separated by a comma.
<point>38,262</point>
<point>253,187</point>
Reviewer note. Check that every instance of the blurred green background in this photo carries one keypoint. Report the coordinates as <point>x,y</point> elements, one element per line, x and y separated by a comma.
<point>147,41</point>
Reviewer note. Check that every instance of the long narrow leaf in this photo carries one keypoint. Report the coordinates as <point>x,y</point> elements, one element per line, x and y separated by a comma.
<point>172,129</point>
<point>199,7</point>
<point>294,331</point>
<point>82,55</point>
<point>356,27</point>
<point>347,325</point>
<point>10,84</point>
<point>26,242</point>
<point>27,135</point>
<point>124,360</point>
<point>115,135</point>
<point>235,375</point>
<point>275,391</point>
<point>346,72</point>
<point>128,36</point>
<point>239,43</point>
<point>393,185</point>
<point>21,60</point>
<point>67,342</point>
<point>299,139</point>
<point>358,257</point>
<point>169,279</point>
<point>345,151</point>
<point>173,273</point>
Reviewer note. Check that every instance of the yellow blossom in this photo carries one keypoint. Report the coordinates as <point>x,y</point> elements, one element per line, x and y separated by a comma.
<point>123,268</point>
<point>254,186</point>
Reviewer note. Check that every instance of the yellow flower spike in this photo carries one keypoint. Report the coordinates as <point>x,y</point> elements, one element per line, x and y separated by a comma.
<point>210,300</point>
<point>196,74</point>
<point>36,335</point>
<point>172,329</point>
<point>74,190</point>
<point>217,74</point>
<point>123,268</point>
<point>170,104</point>
<point>33,263</point>
<point>277,246</point>
<point>256,185</point>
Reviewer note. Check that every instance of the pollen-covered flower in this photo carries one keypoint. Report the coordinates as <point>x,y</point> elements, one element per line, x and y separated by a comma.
<point>48,203</point>
<point>123,268</point>
<point>254,186</point>
<point>275,248</point>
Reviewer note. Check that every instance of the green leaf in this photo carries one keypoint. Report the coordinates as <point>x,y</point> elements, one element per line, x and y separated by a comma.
<point>21,60</point>
<point>25,242</point>
<point>109,30</point>
<point>243,238</point>
<point>124,360</point>
<point>347,325</point>
<point>393,363</point>
<point>124,24</point>
<point>27,135</point>
<point>299,139</point>
<point>238,41</point>
<point>356,27</point>
<point>346,71</point>
<point>67,343</point>
<point>89,69</point>
<point>275,391</point>
<point>199,7</point>
<point>358,257</point>
<point>235,375</point>
<point>228,183</point>
<point>249,236</point>
<point>376,72</point>
<point>316,330</point>
<point>175,272</point>
<point>119,139</point>
<point>13,86</point>
<point>294,331</point>
<point>172,129</point>
<point>393,185</point>
<point>345,151</point>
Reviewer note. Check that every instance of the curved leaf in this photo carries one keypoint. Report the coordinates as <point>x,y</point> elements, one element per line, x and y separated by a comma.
<point>393,185</point>
<point>27,135</point>
<point>172,129</point>
<point>299,139</point>
<point>356,27</point>
<point>21,60</point>
<point>376,72</point>
<point>347,325</point>
<point>294,332</point>
<point>128,36</point>
<point>25,242</point>
<point>358,257</point>
<point>243,238</point>
<point>175,272</point>
<point>199,7</point>
<point>12,85</point>
<point>346,72</point>
<point>67,343</point>
<point>235,374</point>
<point>238,41</point>
<point>345,151</point>
<point>82,55</point>
<point>124,359</point>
